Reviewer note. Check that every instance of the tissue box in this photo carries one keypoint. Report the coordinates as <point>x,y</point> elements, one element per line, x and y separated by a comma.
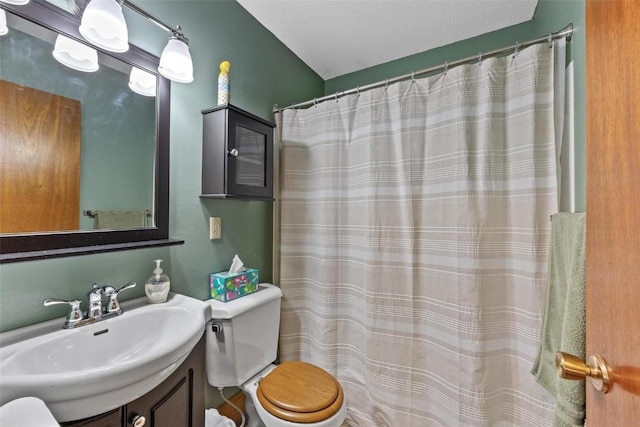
<point>226,287</point>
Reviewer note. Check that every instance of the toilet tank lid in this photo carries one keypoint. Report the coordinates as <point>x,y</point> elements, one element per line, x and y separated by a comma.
<point>226,310</point>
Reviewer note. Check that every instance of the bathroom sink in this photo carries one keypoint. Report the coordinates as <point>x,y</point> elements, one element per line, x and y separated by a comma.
<point>98,367</point>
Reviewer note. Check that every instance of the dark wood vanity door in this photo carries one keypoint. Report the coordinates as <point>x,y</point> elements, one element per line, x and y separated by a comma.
<point>179,400</point>
<point>110,419</point>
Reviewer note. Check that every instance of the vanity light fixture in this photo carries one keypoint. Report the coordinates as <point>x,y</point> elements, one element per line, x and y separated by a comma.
<point>75,55</point>
<point>3,23</point>
<point>142,82</point>
<point>103,25</point>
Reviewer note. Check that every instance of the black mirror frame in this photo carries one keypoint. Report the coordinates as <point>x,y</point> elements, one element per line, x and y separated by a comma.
<point>23,247</point>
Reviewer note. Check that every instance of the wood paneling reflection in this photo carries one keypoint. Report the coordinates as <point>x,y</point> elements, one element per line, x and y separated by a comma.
<point>39,160</point>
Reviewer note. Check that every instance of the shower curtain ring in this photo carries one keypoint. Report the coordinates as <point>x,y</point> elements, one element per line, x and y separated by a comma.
<point>336,96</point>
<point>413,76</point>
<point>386,84</point>
<point>358,90</point>
<point>550,40</point>
<point>516,50</point>
<point>479,58</point>
<point>315,104</point>
<point>446,68</point>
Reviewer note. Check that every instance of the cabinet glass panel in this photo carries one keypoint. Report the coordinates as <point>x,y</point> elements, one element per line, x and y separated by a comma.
<point>250,162</point>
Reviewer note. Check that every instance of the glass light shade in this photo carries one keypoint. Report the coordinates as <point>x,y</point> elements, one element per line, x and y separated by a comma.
<point>142,82</point>
<point>75,55</point>
<point>175,62</point>
<point>3,23</point>
<point>103,25</point>
<point>16,2</point>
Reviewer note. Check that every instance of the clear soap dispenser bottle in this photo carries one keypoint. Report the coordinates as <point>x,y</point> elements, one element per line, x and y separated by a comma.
<point>157,287</point>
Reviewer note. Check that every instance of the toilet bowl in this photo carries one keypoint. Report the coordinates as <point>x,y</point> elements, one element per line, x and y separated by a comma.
<point>294,394</point>
<point>242,339</point>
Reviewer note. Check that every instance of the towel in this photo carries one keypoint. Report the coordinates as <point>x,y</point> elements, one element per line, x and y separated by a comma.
<point>563,326</point>
<point>212,418</point>
<point>121,219</point>
<point>27,411</point>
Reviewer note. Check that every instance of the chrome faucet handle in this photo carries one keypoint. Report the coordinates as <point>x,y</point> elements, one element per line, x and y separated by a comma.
<point>127,286</point>
<point>75,314</point>
<point>95,303</point>
<point>113,306</point>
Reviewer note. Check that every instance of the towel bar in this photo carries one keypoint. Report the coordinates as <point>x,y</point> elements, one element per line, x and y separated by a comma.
<point>93,212</point>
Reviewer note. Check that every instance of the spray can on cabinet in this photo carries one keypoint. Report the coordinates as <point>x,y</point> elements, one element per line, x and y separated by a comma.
<point>224,83</point>
<point>157,287</point>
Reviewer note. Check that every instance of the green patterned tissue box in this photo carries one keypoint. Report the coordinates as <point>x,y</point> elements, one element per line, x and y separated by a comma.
<point>226,287</point>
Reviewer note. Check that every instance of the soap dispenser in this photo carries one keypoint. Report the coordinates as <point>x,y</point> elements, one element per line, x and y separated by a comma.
<point>157,287</point>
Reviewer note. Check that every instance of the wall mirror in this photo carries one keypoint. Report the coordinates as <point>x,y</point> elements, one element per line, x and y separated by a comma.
<point>84,157</point>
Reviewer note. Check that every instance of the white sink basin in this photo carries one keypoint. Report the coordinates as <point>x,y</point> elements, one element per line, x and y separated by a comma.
<point>95,368</point>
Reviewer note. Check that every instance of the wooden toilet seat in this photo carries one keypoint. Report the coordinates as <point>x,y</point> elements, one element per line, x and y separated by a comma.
<point>300,392</point>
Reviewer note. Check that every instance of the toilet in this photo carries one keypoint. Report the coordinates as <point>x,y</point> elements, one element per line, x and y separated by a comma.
<point>242,341</point>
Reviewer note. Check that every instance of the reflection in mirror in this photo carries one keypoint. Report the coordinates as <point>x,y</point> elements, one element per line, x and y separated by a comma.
<point>84,152</point>
<point>56,181</point>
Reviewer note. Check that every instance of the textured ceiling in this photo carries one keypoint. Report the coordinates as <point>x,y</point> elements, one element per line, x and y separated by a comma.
<point>336,37</point>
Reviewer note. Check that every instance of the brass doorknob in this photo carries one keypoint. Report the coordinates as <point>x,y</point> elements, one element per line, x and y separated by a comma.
<point>571,367</point>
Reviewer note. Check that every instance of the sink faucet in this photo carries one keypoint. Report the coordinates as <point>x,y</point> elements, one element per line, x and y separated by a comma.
<point>95,313</point>
<point>95,303</point>
<point>113,306</point>
<point>74,317</point>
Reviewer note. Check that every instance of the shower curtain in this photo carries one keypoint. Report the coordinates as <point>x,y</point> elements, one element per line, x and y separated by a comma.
<point>413,238</point>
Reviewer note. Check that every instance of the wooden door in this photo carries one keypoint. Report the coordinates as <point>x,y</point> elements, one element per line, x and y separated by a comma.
<point>39,160</point>
<point>613,207</point>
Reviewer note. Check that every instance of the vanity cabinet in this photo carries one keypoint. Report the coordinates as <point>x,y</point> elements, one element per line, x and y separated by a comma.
<point>177,402</point>
<point>109,419</point>
<point>237,154</point>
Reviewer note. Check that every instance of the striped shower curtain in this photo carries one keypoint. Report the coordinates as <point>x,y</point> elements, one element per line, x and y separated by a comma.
<point>414,230</point>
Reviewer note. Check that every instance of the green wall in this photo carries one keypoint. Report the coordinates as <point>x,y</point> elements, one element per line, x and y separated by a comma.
<point>550,16</point>
<point>263,73</point>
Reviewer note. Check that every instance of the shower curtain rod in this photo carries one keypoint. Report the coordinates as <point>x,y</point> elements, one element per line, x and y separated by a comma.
<point>565,32</point>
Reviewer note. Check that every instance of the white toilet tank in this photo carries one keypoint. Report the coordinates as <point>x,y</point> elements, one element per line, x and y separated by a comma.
<point>242,336</point>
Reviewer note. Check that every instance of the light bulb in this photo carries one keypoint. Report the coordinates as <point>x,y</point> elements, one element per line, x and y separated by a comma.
<point>3,23</point>
<point>75,55</point>
<point>142,82</point>
<point>103,25</point>
<point>175,62</point>
<point>16,2</point>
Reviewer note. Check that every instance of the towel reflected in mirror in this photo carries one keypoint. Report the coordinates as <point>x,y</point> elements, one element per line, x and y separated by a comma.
<point>121,219</point>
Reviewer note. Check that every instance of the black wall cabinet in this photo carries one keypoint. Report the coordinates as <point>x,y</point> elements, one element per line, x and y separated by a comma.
<point>237,154</point>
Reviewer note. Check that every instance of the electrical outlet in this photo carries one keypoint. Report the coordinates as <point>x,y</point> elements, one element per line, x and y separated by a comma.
<point>215,228</point>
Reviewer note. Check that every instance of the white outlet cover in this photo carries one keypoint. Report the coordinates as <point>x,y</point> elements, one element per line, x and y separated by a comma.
<point>215,228</point>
